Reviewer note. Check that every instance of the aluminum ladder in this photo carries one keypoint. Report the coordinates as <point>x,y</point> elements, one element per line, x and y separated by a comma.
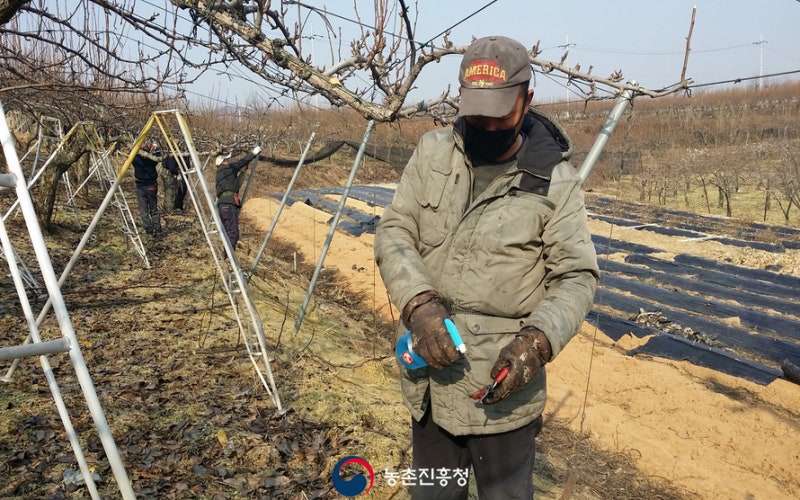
<point>173,126</point>
<point>101,166</point>
<point>68,343</point>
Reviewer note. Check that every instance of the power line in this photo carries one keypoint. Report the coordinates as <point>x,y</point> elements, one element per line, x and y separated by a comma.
<point>463,21</point>
<point>744,79</point>
<point>772,50</point>
<point>612,94</point>
<point>603,50</point>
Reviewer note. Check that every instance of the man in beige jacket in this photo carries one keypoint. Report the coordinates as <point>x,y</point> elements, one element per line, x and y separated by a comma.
<point>487,227</point>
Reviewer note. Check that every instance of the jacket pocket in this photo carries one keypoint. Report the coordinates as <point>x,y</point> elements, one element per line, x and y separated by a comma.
<point>436,215</point>
<point>484,336</point>
<point>480,324</point>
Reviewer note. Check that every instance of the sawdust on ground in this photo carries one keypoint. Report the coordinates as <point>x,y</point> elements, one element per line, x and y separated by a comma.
<point>707,433</point>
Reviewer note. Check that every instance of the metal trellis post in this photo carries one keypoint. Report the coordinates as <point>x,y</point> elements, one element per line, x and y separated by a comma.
<point>281,205</point>
<point>334,223</point>
<point>623,102</point>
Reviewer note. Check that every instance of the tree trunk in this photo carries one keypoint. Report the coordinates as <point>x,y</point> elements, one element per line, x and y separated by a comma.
<point>50,182</point>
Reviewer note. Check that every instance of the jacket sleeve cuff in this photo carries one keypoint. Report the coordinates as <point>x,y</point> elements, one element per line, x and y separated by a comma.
<point>415,302</point>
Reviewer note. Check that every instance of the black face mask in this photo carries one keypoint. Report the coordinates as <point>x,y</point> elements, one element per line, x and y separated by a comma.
<point>488,144</point>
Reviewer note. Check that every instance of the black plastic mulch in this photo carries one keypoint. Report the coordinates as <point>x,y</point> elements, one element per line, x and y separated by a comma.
<point>672,346</point>
<point>787,280</point>
<point>708,299</point>
<point>679,223</point>
<point>766,350</point>
<point>757,283</point>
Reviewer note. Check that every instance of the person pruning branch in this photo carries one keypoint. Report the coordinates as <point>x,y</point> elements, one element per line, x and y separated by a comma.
<point>487,227</point>
<point>145,162</point>
<point>228,182</point>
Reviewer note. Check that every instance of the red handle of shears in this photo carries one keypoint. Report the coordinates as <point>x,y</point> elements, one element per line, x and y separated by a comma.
<point>501,375</point>
<point>484,391</point>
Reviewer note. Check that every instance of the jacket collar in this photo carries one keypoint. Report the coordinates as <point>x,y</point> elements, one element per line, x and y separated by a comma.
<point>547,143</point>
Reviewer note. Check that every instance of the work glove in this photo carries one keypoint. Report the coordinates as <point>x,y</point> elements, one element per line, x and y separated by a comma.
<point>256,150</point>
<point>523,356</point>
<point>424,315</point>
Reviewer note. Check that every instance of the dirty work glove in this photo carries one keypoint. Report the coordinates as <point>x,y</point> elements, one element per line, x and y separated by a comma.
<point>424,315</point>
<point>524,356</point>
<point>256,150</point>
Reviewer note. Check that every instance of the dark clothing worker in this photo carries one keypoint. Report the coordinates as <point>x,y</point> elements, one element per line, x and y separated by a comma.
<point>144,170</point>
<point>228,181</point>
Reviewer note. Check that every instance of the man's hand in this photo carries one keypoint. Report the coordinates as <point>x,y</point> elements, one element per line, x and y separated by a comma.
<point>256,150</point>
<point>424,315</point>
<point>524,356</point>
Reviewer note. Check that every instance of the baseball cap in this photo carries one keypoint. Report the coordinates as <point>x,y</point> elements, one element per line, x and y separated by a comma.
<point>221,158</point>
<point>491,72</point>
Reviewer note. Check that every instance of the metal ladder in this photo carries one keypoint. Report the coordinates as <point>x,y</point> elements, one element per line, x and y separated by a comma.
<point>173,124</point>
<point>50,132</point>
<point>102,167</point>
<point>52,124</point>
<point>107,174</point>
<point>48,129</point>
<point>69,203</point>
<point>233,279</point>
<point>27,277</point>
<point>68,343</point>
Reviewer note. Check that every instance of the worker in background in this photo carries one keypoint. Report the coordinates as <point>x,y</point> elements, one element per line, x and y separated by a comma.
<point>175,179</point>
<point>144,171</point>
<point>228,182</point>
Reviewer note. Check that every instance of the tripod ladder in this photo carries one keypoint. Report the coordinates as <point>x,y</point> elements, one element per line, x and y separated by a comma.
<point>173,124</point>
<point>102,167</point>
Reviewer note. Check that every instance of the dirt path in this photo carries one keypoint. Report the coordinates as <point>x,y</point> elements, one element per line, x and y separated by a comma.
<point>708,434</point>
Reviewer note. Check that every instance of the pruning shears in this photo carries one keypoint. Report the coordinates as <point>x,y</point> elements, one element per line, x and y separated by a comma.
<point>484,392</point>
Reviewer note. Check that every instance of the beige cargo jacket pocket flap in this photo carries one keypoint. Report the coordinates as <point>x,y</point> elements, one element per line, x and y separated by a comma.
<point>481,324</point>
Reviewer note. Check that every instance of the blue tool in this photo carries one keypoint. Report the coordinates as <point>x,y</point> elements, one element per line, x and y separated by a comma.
<point>411,360</point>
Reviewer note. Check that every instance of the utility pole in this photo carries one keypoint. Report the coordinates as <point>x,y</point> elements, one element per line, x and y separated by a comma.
<point>760,44</point>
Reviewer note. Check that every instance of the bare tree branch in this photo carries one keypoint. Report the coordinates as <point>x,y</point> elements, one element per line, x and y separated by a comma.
<point>392,67</point>
<point>148,49</point>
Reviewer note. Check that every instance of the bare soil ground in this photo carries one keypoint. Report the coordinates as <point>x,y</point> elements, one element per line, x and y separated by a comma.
<point>192,421</point>
<point>701,432</point>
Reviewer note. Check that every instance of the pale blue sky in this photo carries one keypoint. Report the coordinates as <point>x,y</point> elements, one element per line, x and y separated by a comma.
<point>646,40</point>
